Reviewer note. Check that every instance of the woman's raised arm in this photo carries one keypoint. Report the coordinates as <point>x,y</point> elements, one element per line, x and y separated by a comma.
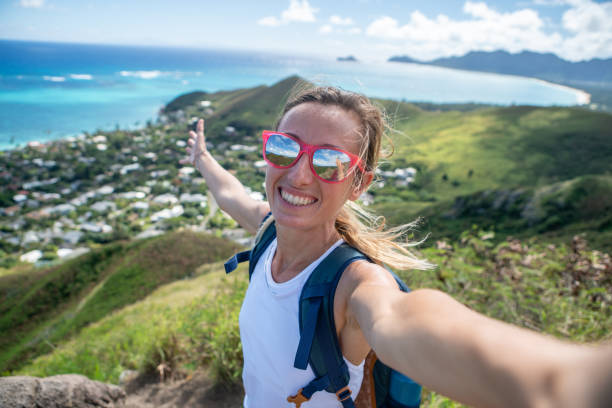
<point>457,352</point>
<point>227,189</point>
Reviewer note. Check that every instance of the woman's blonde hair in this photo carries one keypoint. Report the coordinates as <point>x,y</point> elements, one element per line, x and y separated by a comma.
<point>358,227</point>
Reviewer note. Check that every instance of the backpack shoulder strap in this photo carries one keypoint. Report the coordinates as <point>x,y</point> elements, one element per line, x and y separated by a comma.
<point>318,340</point>
<point>265,235</point>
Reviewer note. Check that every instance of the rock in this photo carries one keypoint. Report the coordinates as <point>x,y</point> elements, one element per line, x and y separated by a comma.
<point>67,390</point>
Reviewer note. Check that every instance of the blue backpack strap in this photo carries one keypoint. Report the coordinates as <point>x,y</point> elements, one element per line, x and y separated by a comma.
<point>255,253</point>
<point>318,340</point>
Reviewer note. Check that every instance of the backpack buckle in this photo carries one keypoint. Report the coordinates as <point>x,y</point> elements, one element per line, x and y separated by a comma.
<point>298,398</point>
<point>343,393</point>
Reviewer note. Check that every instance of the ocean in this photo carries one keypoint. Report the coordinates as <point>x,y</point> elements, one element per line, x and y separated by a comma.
<point>54,90</point>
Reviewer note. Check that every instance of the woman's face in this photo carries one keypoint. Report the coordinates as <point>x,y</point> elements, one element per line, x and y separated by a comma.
<point>298,199</point>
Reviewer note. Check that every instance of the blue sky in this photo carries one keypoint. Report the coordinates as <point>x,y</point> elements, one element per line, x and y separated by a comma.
<point>369,29</point>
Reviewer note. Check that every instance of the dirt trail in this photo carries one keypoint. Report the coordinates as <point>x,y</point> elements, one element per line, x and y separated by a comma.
<point>195,391</point>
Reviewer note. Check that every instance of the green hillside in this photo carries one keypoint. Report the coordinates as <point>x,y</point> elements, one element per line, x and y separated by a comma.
<point>564,290</point>
<point>43,306</point>
<point>504,192</point>
<point>500,148</point>
<point>556,212</point>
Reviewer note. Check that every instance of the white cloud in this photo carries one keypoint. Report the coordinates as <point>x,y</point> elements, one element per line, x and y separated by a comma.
<point>326,29</point>
<point>330,28</point>
<point>32,3</point>
<point>591,26</point>
<point>588,17</point>
<point>270,21</point>
<point>588,25</point>
<point>298,11</point>
<point>549,2</point>
<point>337,20</point>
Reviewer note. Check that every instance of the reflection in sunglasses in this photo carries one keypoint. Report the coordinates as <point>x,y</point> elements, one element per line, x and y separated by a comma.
<point>329,164</point>
<point>340,169</point>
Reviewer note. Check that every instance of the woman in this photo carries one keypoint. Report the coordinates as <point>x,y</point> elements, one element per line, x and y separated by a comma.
<point>424,334</point>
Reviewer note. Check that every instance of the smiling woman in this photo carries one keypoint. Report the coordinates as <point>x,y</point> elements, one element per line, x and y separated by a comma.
<point>301,285</point>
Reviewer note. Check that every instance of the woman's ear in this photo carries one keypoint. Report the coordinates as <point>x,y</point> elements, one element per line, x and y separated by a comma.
<point>361,185</point>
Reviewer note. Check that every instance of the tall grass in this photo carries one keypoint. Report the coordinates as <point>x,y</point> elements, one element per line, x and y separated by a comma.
<point>182,326</point>
<point>563,290</point>
<point>64,299</point>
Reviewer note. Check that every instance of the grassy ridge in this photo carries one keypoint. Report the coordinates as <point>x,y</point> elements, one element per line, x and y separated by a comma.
<point>183,325</point>
<point>67,297</point>
<point>556,212</point>
<point>499,148</point>
<point>540,174</point>
<point>563,290</point>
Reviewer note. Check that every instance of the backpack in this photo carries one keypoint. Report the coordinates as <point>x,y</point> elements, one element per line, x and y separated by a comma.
<point>318,340</point>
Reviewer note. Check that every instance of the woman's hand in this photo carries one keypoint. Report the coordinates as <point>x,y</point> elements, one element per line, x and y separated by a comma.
<point>196,145</point>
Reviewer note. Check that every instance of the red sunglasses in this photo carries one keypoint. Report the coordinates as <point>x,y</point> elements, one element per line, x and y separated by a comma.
<point>328,164</point>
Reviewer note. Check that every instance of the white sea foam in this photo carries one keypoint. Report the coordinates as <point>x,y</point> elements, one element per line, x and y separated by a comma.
<point>141,74</point>
<point>83,77</point>
<point>54,78</point>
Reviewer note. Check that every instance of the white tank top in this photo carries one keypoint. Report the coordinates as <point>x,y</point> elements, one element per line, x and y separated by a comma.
<point>270,333</point>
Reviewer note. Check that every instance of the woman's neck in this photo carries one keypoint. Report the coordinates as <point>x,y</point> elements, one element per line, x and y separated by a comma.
<point>296,249</point>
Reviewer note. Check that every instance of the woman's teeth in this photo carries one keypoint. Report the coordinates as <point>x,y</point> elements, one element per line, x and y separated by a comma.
<point>295,200</point>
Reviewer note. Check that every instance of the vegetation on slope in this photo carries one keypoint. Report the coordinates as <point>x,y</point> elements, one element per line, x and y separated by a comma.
<point>49,305</point>
<point>557,212</point>
<point>563,290</point>
<point>180,327</point>
<point>539,174</point>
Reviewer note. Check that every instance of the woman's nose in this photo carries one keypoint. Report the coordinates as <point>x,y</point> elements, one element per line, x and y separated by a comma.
<point>300,173</point>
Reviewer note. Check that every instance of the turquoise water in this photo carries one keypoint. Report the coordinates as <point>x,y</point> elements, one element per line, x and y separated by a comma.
<point>49,91</point>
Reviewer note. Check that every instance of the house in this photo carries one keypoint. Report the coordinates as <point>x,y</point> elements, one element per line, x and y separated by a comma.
<point>166,199</point>
<point>72,237</point>
<point>186,171</point>
<point>10,211</point>
<point>243,148</point>
<point>159,173</point>
<point>193,198</point>
<point>62,209</point>
<point>129,168</point>
<point>132,195</point>
<point>32,256</point>
<point>30,237</point>
<point>96,227</point>
<point>20,198</point>
<point>175,211</point>
<point>99,139</point>
<point>103,206</point>
<point>140,205</point>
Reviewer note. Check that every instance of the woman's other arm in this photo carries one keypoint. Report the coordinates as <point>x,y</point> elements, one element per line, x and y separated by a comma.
<point>228,191</point>
<point>455,351</point>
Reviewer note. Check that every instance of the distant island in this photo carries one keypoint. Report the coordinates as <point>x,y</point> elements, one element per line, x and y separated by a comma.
<point>348,58</point>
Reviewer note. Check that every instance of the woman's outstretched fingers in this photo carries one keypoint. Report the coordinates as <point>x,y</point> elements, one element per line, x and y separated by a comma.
<point>196,144</point>
<point>200,127</point>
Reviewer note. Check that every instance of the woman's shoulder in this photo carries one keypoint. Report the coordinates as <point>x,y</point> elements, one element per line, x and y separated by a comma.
<point>364,272</point>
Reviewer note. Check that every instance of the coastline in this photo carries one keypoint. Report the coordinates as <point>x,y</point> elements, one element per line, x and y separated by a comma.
<point>582,97</point>
<point>116,85</point>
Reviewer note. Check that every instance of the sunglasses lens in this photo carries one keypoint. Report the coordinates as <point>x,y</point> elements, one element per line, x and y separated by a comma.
<point>331,165</point>
<point>281,150</point>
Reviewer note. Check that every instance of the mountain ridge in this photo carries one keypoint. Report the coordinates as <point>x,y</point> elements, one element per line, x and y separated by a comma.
<point>545,66</point>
